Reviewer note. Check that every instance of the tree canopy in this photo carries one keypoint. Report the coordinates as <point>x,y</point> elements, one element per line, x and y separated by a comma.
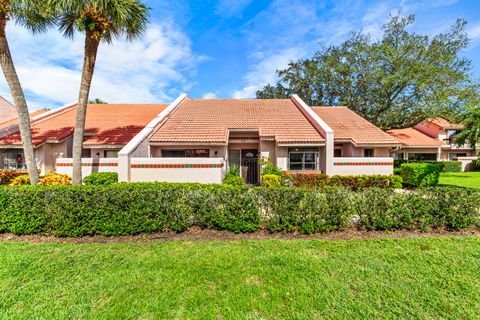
<point>395,81</point>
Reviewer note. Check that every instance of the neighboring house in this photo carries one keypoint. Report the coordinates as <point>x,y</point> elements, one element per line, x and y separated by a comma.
<point>14,121</point>
<point>432,139</point>
<point>198,139</point>
<point>108,129</point>
<point>7,110</point>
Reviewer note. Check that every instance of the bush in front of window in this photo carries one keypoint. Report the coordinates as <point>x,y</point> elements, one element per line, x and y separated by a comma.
<point>444,166</point>
<point>20,180</point>
<point>420,174</point>
<point>6,176</point>
<point>101,178</point>
<point>271,180</point>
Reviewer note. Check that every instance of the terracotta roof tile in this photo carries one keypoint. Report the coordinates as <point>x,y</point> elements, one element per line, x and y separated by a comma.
<point>209,121</point>
<point>444,123</point>
<point>110,124</point>
<point>413,137</point>
<point>348,125</point>
<point>15,120</point>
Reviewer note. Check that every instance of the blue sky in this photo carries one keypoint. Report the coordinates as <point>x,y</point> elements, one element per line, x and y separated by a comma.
<point>225,48</point>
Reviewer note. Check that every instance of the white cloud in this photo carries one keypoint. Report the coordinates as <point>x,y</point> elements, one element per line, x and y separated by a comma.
<point>209,95</point>
<point>230,8</point>
<point>151,69</point>
<point>474,32</point>
<point>263,72</point>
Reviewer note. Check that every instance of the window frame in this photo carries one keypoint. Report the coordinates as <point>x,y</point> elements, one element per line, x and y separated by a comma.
<point>186,153</point>
<point>303,161</point>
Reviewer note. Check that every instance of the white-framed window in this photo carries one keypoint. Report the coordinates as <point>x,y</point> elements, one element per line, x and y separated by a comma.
<point>300,159</point>
<point>13,159</point>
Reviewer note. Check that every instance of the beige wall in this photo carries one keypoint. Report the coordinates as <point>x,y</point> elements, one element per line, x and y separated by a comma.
<point>89,165</point>
<point>178,174</point>
<point>363,166</point>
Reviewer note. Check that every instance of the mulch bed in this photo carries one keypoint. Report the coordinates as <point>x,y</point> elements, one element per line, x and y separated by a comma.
<point>196,234</point>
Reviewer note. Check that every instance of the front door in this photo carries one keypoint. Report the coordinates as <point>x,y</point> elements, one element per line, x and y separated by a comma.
<point>250,166</point>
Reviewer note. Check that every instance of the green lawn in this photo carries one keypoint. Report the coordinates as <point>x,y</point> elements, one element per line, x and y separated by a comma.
<point>435,278</point>
<point>460,179</point>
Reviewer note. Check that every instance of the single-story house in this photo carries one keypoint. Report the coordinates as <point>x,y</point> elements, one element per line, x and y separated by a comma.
<point>198,139</point>
<point>432,139</point>
<point>108,129</point>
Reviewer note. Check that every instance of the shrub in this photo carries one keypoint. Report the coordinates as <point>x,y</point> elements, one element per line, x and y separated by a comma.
<point>269,168</point>
<point>55,179</point>
<point>233,180</point>
<point>128,209</point>
<point>354,182</point>
<point>20,180</point>
<point>233,170</point>
<point>420,174</point>
<point>476,164</point>
<point>271,180</point>
<point>306,211</point>
<point>101,178</point>
<point>6,176</point>
<point>445,166</point>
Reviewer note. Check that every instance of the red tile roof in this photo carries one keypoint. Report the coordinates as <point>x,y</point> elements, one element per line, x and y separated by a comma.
<point>444,123</point>
<point>415,138</point>
<point>109,124</point>
<point>209,121</point>
<point>349,126</point>
<point>15,120</point>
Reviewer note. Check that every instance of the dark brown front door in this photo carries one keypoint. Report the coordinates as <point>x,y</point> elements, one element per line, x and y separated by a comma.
<point>250,166</point>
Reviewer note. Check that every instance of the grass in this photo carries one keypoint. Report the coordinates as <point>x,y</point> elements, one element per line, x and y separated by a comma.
<point>460,179</point>
<point>423,278</point>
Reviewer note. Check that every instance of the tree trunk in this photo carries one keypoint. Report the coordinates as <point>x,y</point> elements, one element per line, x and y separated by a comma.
<point>91,49</point>
<point>20,102</point>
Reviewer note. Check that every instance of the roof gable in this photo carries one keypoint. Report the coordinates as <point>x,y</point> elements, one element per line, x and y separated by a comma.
<point>349,126</point>
<point>209,121</point>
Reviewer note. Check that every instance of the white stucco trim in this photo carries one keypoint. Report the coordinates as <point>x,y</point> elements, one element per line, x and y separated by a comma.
<point>124,154</point>
<point>322,127</point>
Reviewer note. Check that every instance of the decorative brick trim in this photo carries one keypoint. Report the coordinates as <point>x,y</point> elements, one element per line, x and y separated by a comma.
<point>177,166</point>
<point>89,164</point>
<point>363,164</point>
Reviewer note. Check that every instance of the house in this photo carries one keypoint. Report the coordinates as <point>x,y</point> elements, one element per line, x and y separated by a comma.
<point>7,111</point>
<point>198,139</point>
<point>109,127</point>
<point>432,139</point>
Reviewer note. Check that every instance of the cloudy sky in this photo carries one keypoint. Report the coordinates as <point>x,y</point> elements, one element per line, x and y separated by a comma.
<point>224,48</point>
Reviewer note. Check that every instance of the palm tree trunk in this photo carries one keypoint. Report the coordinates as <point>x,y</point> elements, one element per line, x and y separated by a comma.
<point>91,49</point>
<point>20,102</point>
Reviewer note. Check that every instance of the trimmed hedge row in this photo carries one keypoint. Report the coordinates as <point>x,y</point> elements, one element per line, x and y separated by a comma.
<point>444,166</point>
<point>420,174</point>
<point>128,209</point>
<point>319,180</point>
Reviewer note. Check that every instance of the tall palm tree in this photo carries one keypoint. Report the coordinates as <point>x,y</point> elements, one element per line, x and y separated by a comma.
<point>99,20</point>
<point>33,15</point>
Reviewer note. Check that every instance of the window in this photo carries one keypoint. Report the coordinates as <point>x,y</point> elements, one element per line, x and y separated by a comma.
<point>234,157</point>
<point>13,159</point>
<point>111,154</point>
<point>452,156</point>
<point>368,153</point>
<point>188,153</point>
<point>337,153</point>
<point>422,156</point>
<point>302,159</point>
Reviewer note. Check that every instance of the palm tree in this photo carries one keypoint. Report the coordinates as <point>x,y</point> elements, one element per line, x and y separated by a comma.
<point>99,20</point>
<point>471,131</point>
<point>33,15</point>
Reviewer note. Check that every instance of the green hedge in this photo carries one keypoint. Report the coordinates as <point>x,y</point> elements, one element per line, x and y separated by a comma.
<point>101,178</point>
<point>354,182</point>
<point>445,166</point>
<point>420,174</point>
<point>128,209</point>
<point>476,165</point>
